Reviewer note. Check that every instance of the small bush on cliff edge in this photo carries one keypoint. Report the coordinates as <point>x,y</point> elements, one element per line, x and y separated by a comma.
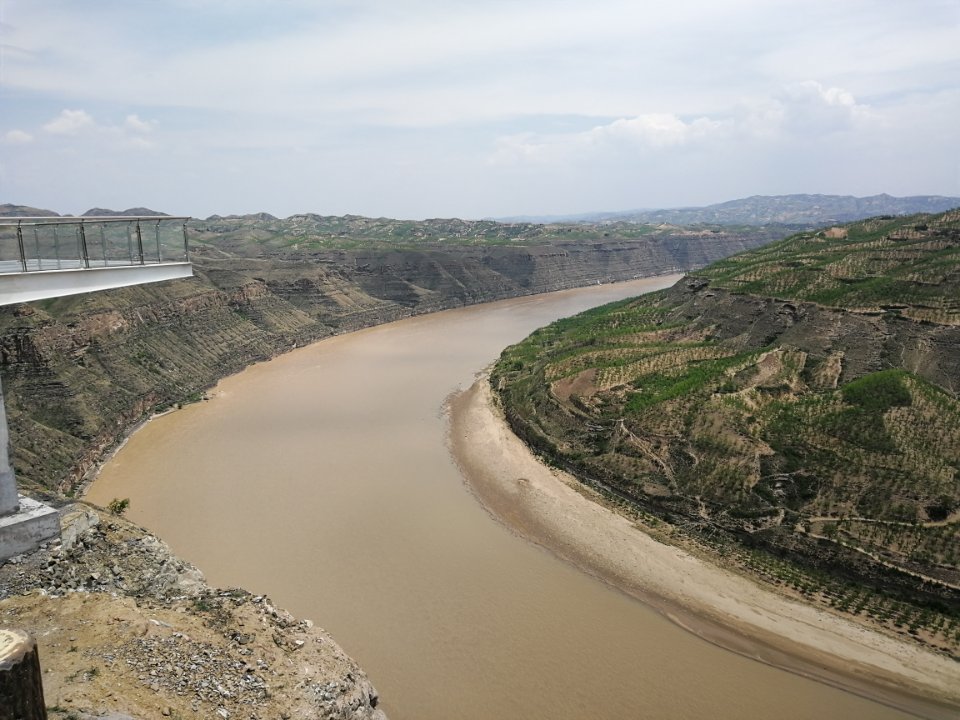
<point>118,506</point>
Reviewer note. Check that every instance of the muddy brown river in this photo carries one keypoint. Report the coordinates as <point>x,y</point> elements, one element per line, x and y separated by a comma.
<point>323,478</point>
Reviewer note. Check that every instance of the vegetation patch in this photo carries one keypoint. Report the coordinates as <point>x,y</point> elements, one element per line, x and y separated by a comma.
<point>712,406</point>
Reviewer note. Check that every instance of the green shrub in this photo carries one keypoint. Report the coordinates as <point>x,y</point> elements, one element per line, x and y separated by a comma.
<point>118,506</point>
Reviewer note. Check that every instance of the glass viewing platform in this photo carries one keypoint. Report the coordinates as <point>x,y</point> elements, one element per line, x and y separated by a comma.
<point>44,257</point>
<point>48,257</point>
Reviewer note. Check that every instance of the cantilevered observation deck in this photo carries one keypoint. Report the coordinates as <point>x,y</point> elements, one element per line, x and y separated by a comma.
<point>48,257</point>
<point>45,257</point>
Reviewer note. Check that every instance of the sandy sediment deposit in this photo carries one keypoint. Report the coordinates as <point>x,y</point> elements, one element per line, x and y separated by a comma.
<point>552,509</point>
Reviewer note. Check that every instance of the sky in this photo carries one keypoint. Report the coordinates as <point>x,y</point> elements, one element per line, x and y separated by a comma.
<point>470,108</point>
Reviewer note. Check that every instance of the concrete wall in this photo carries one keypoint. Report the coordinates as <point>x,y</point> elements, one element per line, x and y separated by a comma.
<point>24,531</point>
<point>8,482</point>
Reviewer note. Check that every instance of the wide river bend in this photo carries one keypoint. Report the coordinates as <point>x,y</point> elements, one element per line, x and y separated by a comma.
<point>323,478</point>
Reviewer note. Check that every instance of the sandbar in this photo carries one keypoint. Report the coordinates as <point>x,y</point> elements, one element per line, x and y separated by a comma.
<point>552,509</point>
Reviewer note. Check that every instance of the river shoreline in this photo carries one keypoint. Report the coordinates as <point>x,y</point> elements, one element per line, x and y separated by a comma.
<point>553,510</point>
<point>475,662</point>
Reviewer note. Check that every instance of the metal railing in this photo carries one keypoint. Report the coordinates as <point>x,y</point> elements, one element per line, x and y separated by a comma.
<point>34,244</point>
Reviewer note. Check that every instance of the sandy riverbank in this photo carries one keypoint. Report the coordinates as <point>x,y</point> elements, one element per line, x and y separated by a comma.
<point>551,509</point>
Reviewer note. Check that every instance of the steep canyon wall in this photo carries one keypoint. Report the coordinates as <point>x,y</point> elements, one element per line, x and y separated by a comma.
<point>78,373</point>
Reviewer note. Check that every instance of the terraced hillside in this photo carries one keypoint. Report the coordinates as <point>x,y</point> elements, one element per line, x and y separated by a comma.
<point>262,234</point>
<point>876,265</point>
<point>800,399</point>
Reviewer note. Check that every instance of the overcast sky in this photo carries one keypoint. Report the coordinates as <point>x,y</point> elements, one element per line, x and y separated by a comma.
<point>470,108</point>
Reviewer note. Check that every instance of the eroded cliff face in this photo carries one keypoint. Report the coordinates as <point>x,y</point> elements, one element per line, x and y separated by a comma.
<point>79,372</point>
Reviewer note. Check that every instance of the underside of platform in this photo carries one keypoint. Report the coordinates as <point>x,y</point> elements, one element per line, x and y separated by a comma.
<point>39,285</point>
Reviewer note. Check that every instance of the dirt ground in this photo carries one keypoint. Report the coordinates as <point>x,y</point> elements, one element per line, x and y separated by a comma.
<point>127,630</point>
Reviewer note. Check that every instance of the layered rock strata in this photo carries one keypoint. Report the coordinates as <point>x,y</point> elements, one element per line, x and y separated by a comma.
<point>80,372</point>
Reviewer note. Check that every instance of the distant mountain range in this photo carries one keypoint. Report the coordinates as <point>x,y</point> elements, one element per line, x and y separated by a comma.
<point>798,210</point>
<point>10,210</point>
<point>767,209</point>
<point>103,212</point>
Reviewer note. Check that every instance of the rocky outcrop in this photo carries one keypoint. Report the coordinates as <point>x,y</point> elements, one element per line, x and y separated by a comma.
<point>129,630</point>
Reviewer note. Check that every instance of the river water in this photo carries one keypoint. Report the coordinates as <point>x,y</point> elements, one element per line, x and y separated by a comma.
<point>323,479</point>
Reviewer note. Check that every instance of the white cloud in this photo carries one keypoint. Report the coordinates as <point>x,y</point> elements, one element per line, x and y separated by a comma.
<point>79,131</point>
<point>529,104</point>
<point>810,107</point>
<point>643,134</point>
<point>802,110</point>
<point>69,122</point>
<point>806,111</point>
<point>411,62</point>
<point>658,130</point>
<point>135,124</point>
<point>17,137</point>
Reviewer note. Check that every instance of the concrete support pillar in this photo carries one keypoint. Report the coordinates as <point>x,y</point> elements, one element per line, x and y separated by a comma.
<point>9,500</point>
<point>24,523</point>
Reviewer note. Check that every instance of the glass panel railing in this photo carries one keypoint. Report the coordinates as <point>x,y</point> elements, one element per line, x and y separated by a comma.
<point>64,243</point>
<point>9,250</point>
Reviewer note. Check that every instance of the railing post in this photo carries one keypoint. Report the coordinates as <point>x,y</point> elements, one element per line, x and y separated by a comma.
<point>103,242</point>
<point>23,255</point>
<point>36,248</point>
<point>186,244</point>
<point>56,245</point>
<point>157,236</point>
<point>83,246</point>
<point>139,243</point>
